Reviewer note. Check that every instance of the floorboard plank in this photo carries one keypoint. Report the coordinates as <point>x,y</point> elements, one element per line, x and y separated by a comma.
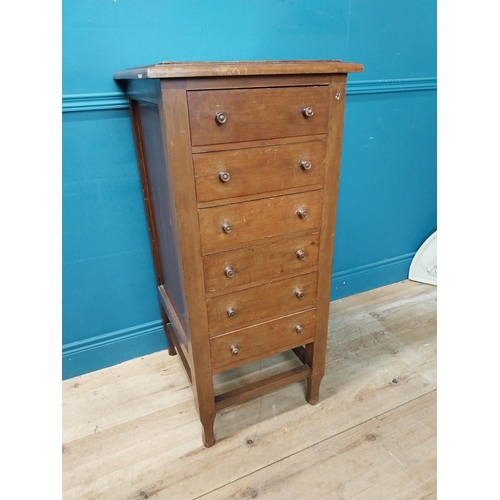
<point>131,431</point>
<point>393,452</point>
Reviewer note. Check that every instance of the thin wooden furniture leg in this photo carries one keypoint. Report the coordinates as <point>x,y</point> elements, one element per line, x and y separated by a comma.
<point>205,406</point>
<point>208,435</point>
<point>143,170</point>
<point>317,372</point>
<point>204,396</point>
<point>166,322</point>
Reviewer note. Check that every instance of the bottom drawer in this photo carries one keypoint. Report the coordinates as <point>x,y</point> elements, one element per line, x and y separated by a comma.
<point>259,341</point>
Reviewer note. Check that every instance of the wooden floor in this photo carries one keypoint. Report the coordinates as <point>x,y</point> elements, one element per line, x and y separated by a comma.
<point>131,431</point>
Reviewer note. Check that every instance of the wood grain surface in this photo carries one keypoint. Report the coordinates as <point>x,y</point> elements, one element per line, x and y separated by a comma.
<point>261,303</point>
<point>237,69</point>
<point>259,264</point>
<point>255,221</point>
<point>258,170</point>
<point>270,337</point>
<point>252,114</point>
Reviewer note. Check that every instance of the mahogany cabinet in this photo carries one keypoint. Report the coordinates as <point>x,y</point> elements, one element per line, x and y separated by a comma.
<point>239,164</point>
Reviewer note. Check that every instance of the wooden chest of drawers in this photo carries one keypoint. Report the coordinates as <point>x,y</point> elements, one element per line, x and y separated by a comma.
<point>240,165</point>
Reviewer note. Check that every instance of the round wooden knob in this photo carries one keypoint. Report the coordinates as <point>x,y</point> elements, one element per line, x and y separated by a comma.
<point>305,165</point>
<point>301,255</point>
<point>302,213</point>
<point>220,117</point>
<point>308,111</point>
<point>224,176</point>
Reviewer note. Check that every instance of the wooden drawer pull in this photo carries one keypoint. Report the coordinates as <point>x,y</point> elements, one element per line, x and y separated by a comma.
<point>229,272</point>
<point>299,293</point>
<point>226,228</point>
<point>301,255</point>
<point>231,312</point>
<point>234,350</point>
<point>299,329</point>
<point>307,111</point>
<point>220,117</point>
<point>224,176</point>
<point>305,165</point>
<point>302,213</point>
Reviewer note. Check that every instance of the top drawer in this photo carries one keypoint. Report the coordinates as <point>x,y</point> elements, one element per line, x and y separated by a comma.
<point>223,116</point>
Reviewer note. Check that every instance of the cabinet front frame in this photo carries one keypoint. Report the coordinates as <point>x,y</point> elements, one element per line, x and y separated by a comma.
<point>170,95</point>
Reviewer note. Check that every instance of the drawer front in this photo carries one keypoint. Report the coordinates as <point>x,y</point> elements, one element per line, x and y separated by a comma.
<point>256,114</point>
<point>246,307</point>
<point>259,341</point>
<point>227,174</point>
<point>235,225</point>
<point>260,263</point>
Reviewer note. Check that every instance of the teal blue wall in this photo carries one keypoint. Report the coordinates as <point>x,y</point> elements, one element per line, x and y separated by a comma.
<point>387,198</point>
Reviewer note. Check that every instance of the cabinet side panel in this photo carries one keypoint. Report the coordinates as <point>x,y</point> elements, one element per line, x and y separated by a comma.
<point>160,191</point>
<point>316,352</point>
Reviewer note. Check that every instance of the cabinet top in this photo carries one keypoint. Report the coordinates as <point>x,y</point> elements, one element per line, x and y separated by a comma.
<point>238,68</point>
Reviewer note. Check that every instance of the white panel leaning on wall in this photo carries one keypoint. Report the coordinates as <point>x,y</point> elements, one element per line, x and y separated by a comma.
<point>423,267</point>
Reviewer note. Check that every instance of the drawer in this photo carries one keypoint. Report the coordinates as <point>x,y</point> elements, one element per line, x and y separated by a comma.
<point>256,114</point>
<point>259,341</point>
<point>235,225</point>
<point>227,174</point>
<point>272,300</point>
<point>260,263</point>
